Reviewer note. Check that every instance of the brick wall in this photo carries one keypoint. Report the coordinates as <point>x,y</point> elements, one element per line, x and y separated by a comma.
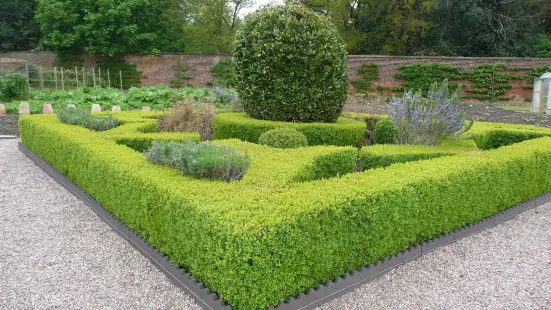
<point>158,69</point>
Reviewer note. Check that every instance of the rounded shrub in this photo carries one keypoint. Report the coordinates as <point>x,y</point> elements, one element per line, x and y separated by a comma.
<point>291,66</point>
<point>283,138</point>
<point>385,132</point>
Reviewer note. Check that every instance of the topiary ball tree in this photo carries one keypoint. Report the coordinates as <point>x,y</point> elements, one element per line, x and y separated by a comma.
<point>291,66</point>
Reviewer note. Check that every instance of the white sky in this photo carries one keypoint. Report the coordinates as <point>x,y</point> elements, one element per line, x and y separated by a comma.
<point>257,4</point>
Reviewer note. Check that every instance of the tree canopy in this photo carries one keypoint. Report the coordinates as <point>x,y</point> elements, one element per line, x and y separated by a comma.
<point>519,28</point>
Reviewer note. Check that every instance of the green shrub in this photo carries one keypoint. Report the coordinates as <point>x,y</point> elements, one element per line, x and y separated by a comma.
<point>384,132</point>
<point>83,118</point>
<point>259,241</point>
<point>238,126</point>
<point>224,71</point>
<point>204,160</point>
<point>291,66</point>
<point>283,138</point>
<point>13,86</point>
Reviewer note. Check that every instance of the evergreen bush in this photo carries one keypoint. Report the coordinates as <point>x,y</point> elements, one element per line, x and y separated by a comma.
<point>291,66</point>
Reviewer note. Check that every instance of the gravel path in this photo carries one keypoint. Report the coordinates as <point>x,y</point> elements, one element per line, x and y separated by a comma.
<point>56,253</point>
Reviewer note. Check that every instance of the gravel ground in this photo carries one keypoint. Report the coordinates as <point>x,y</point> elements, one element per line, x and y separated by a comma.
<point>56,253</point>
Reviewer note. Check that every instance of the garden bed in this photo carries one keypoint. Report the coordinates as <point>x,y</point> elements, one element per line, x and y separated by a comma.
<point>262,240</point>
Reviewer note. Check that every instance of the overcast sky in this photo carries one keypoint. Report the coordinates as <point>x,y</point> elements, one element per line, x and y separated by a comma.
<point>258,3</point>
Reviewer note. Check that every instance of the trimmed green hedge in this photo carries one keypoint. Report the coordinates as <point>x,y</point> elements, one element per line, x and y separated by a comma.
<point>238,126</point>
<point>498,138</point>
<point>489,136</point>
<point>265,238</point>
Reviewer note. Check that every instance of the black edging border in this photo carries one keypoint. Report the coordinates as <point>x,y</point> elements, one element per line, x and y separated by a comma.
<point>314,297</point>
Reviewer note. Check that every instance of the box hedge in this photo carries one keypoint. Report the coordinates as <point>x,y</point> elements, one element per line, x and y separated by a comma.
<point>260,240</point>
<point>344,132</point>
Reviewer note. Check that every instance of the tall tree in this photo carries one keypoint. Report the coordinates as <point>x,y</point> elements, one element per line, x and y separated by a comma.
<point>394,27</point>
<point>106,27</point>
<point>344,14</point>
<point>212,24</point>
<point>483,28</point>
<point>18,30</point>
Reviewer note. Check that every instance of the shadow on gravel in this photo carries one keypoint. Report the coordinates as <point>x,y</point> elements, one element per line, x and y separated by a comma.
<point>8,125</point>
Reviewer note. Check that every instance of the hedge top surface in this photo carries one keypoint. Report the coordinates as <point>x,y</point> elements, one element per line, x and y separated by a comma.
<point>267,194</point>
<point>291,66</point>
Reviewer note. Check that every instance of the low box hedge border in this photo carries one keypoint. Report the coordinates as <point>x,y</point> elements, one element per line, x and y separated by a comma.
<point>313,297</point>
<point>345,132</point>
<point>260,240</point>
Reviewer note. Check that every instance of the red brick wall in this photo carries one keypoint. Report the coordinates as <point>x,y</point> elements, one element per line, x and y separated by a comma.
<point>158,69</point>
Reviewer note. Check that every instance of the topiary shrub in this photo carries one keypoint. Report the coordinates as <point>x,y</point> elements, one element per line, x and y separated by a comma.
<point>283,138</point>
<point>291,66</point>
<point>384,132</point>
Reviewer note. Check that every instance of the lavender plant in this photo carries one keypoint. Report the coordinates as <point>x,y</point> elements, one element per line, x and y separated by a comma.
<point>226,96</point>
<point>427,121</point>
<point>203,160</point>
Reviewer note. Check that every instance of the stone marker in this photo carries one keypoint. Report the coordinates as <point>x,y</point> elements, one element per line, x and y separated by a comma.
<point>116,108</point>
<point>2,110</point>
<point>24,108</point>
<point>71,106</point>
<point>96,108</point>
<point>47,109</point>
<point>146,109</point>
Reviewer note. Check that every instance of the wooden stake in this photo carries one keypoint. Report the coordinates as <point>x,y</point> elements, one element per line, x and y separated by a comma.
<point>62,80</point>
<point>120,74</point>
<point>94,76</point>
<point>41,79</point>
<point>28,85</point>
<point>76,75</point>
<point>55,77</point>
<point>83,75</point>
<point>99,76</point>
<point>108,78</point>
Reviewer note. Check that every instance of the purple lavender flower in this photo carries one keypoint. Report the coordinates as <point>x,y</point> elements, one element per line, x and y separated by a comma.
<point>429,120</point>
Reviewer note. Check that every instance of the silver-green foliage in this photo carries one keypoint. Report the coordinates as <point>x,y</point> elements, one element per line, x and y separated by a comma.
<point>84,118</point>
<point>427,121</point>
<point>291,66</point>
<point>201,159</point>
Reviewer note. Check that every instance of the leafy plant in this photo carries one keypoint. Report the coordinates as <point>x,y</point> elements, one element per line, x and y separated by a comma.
<point>83,118</point>
<point>283,138</point>
<point>291,66</point>
<point>13,86</point>
<point>181,76</point>
<point>203,160</point>
<point>224,71</point>
<point>369,72</point>
<point>429,120</point>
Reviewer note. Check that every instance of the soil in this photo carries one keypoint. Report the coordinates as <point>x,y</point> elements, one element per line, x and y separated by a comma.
<point>9,125</point>
<point>484,112</point>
